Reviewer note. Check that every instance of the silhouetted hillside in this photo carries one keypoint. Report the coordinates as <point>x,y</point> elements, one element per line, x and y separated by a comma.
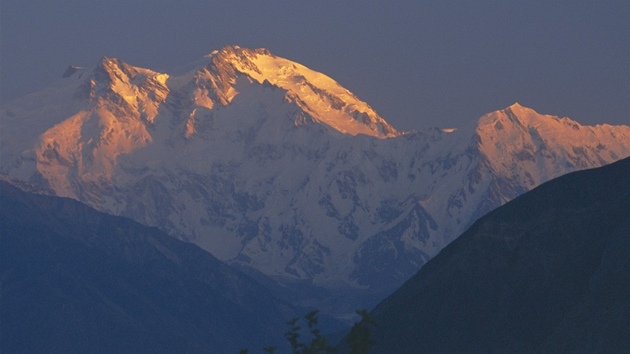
<point>77,280</point>
<point>547,272</point>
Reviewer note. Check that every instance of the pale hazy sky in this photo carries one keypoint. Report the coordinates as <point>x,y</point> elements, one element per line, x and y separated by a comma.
<point>418,63</point>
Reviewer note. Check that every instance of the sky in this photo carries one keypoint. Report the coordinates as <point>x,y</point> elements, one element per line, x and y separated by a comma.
<point>417,63</point>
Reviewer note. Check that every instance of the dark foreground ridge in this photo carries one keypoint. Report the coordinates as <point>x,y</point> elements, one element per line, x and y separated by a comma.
<point>74,280</point>
<point>547,272</point>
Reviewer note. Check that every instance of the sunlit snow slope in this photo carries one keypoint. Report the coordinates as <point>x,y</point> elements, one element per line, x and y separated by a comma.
<point>278,169</point>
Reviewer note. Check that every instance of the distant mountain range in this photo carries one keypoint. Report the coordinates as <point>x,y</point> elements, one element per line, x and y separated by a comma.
<point>278,170</point>
<point>547,272</point>
<point>74,280</point>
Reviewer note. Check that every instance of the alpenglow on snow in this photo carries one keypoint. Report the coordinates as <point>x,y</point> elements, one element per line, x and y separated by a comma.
<point>279,170</point>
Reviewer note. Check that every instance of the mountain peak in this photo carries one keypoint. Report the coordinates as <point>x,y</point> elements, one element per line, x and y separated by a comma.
<point>108,69</point>
<point>543,142</point>
<point>514,115</point>
<point>235,50</point>
<point>516,106</point>
<point>317,94</point>
<point>231,58</point>
<point>519,111</point>
<point>112,76</point>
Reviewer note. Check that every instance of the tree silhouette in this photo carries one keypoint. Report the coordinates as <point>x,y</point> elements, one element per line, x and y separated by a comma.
<point>358,340</point>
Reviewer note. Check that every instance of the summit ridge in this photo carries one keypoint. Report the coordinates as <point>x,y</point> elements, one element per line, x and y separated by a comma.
<point>314,92</point>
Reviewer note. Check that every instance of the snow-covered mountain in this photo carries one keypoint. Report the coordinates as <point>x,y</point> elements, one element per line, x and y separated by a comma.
<point>278,169</point>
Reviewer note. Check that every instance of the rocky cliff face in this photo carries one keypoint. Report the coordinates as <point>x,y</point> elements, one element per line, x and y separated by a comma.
<point>279,170</point>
